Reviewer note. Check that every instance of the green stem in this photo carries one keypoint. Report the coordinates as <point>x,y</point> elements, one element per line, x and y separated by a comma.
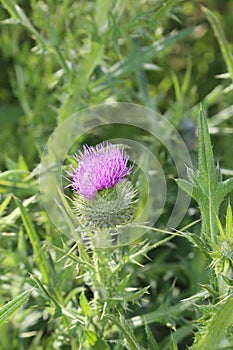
<point>99,276</point>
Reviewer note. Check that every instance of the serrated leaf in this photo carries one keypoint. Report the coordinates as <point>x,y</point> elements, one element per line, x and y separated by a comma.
<point>224,188</point>
<point>125,328</point>
<point>131,296</point>
<point>185,186</point>
<point>6,311</point>
<point>197,241</point>
<point>208,190</point>
<point>217,328</point>
<point>192,176</point>
<point>164,313</point>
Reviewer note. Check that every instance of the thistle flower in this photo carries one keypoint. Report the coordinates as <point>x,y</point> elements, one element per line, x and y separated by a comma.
<point>103,196</point>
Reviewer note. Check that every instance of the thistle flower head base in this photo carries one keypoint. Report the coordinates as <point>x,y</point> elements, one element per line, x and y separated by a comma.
<point>110,207</point>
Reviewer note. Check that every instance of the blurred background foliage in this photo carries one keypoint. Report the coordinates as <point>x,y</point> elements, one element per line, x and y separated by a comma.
<point>58,57</point>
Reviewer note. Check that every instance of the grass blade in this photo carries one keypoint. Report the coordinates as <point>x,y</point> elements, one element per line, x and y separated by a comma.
<point>224,46</point>
<point>39,254</point>
<point>4,204</point>
<point>6,311</point>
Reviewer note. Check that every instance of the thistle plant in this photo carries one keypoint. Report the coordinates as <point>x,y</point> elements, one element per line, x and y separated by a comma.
<point>56,291</point>
<point>103,199</point>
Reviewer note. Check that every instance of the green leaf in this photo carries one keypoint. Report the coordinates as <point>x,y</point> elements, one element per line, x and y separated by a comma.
<point>90,337</point>
<point>138,56</point>
<point>173,343</point>
<point>224,188</point>
<point>153,345</point>
<point>85,305</point>
<point>221,321</point>
<point>101,14</point>
<point>192,176</point>
<point>71,313</point>
<point>39,254</point>
<point>229,222</point>
<point>18,14</point>
<point>208,188</point>
<point>186,186</point>
<point>213,192</point>
<point>206,168</point>
<point>225,48</point>
<point>125,329</point>
<point>22,250</point>
<point>134,296</point>
<point>165,313</point>
<point>93,59</point>
<point>162,10</point>
<point>178,336</point>
<point>12,306</point>
<point>94,341</point>
<point>4,204</point>
<point>13,216</point>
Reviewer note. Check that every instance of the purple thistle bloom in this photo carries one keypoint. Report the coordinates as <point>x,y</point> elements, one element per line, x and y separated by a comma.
<point>102,166</point>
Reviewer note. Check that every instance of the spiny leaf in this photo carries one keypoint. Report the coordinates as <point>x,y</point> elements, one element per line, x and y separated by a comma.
<point>208,188</point>
<point>164,314</point>
<point>221,321</point>
<point>124,327</point>
<point>186,186</point>
<point>192,176</point>
<point>224,188</point>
